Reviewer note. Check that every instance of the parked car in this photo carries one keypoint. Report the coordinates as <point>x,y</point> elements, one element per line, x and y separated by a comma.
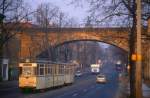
<point>78,73</point>
<point>101,78</point>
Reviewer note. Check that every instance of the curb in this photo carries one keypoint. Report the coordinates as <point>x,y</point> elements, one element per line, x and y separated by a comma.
<point>123,82</point>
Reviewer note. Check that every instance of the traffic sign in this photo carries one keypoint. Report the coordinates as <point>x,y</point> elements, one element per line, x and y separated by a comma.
<point>136,57</point>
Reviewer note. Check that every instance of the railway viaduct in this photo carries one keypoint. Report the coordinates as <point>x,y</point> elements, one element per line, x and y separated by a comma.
<point>32,41</point>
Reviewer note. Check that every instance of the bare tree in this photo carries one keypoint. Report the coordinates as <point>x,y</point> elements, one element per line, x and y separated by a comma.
<point>46,14</point>
<point>71,22</point>
<point>14,11</point>
<point>124,11</point>
<point>63,20</point>
<point>50,15</point>
<point>121,10</point>
<point>88,22</point>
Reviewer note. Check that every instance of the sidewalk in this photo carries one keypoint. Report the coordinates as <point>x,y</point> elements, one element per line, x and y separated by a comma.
<point>124,89</point>
<point>123,84</point>
<point>4,85</point>
<point>146,91</point>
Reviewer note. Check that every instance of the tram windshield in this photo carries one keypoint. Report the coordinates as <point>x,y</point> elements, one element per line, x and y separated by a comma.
<point>27,71</point>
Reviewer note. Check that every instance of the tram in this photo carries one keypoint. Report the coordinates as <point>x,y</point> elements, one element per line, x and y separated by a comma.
<point>42,75</point>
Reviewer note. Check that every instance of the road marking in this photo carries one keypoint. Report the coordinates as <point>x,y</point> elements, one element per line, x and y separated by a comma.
<point>75,94</point>
<point>65,94</point>
<point>85,90</point>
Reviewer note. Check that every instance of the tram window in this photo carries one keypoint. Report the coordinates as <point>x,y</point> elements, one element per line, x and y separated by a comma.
<point>54,69</point>
<point>61,69</point>
<point>28,71</point>
<point>41,70</point>
<point>67,70</point>
<point>41,65</point>
<point>46,69</point>
<point>20,70</point>
<point>50,70</point>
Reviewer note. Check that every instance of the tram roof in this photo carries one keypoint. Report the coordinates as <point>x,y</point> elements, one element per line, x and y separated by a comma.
<point>46,61</point>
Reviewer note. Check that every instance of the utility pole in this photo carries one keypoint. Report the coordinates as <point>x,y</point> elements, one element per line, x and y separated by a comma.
<point>138,70</point>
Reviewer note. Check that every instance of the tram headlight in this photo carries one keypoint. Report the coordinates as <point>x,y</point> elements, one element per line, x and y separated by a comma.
<point>27,60</point>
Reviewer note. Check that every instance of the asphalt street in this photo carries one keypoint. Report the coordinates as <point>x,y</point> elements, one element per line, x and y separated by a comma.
<point>83,87</point>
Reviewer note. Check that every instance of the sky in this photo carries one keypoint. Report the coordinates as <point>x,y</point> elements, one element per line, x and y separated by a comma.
<point>80,13</point>
<point>73,11</point>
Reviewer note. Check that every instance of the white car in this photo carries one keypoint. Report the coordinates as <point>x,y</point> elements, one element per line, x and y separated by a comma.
<point>101,78</point>
<point>78,73</point>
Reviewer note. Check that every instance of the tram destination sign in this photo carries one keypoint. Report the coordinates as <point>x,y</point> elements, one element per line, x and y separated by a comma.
<point>27,64</point>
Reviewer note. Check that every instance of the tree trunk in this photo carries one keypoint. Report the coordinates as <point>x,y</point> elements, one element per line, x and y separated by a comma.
<point>132,47</point>
<point>1,57</point>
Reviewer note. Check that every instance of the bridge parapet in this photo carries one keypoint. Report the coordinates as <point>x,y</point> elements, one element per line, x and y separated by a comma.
<point>33,41</point>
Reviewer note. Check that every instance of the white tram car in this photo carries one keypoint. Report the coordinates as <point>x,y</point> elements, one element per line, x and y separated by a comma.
<point>42,75</point>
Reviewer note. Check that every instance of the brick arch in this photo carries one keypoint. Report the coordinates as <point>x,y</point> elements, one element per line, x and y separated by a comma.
<point>33,40</point>
<point>72,41</point>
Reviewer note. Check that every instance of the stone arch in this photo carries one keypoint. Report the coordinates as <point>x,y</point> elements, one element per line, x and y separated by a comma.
<point>34,38</point>
<point>66,42</point>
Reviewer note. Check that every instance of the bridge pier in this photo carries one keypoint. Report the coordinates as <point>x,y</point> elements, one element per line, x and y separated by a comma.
<point>146,62</point>
<point>146,59</point>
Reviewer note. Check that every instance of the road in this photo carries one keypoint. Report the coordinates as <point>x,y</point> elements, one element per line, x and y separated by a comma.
<point>83,87</point>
